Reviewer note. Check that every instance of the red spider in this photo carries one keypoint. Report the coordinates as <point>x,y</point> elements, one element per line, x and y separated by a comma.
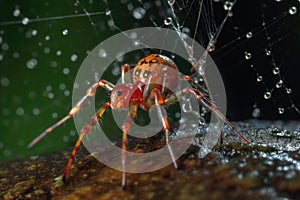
<point>141,93</point>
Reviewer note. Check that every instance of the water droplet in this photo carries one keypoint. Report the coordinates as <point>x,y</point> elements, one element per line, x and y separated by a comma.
<point>259,78</point>
<point>47,37</point>
<point>5,81</point>
<point>5,111</point>
<point>168,21</point>
<point>120,56</point>
<point>66,71</point>
<point>137,43</point>
<point>228,5</point>
<point>54,115</point>
<point>36,111</point>
<point>139,13</point>
<point>256,112</point>
<point>130,7</point>
<point>292,10</point>
<point>62,86</point>
<point>65,138</point>
<point>31,63</point>
<point>1,40</point>
<point>16,55</point>
<point>248,55</point>
<point>25,21</point>
<point>102,53</point>
<point>281,110</point>
<point>53,64</point>
<point>111,23</point>
<point>7,153</point>
<point>267,95</point>
<point>48,88</point>
<point>187,106</point>
<point>76,85</point>
<point>5,46</point>
<point>50,95</point>
<point>58,53</point>
<point>186,30</point>
<point>72,132</point>
<point>276,70</point>
<point>65,32</point>
<point>34,32</point>
<point>133,35</point>
<point>249,34</point>
<point>74,57</point>
<point>288,90</point>
<point>279,84</point>
<point>32,94</point>
<point>171,2</point>
<point>268,52</point>
<point>66,93</point>
<point>16,12</point>
<point>28,34</point>
<point>107,12</point>
<point>115,70</point>
<point>20,111</point>
<point>212,46</point>
<point>46,50</point>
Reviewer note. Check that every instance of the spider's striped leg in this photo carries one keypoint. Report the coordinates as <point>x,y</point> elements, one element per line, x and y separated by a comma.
<point>86,98</point>
<point>162,114</point>
<point>207,103</point>
<point>196,85</point>
<point>214,109</point>
<point>126,127</point>
<point>85,130</point>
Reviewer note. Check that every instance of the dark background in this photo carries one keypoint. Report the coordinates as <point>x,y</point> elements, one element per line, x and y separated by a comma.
<point>272,28</point>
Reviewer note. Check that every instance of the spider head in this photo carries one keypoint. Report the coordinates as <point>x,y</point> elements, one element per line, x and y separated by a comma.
<point>124,95</point>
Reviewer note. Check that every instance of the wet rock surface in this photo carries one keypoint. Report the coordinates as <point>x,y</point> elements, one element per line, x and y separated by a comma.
<point>269,168</point>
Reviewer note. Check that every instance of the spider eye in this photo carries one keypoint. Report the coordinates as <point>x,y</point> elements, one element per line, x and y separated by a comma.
<point>119,92</point>
<point>146,73</point>
<point>137,72</point>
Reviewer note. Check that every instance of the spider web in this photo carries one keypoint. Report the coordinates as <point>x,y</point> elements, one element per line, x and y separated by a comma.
<point>43,44</point>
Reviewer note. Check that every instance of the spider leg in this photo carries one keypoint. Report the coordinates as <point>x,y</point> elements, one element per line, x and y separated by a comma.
<point>85,130</point>
<point>126,127</point>
<point>86,98</point>
<point>162,114</point>
<point>207,103</point>
<point>199,87</point>
<point>124,69</point>
<point>201,62</point>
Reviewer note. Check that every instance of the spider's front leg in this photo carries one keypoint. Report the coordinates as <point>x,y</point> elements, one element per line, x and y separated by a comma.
<point>85,130</point>
<point>126,127</point>
<point>86,98</point>
<point>162,114</point>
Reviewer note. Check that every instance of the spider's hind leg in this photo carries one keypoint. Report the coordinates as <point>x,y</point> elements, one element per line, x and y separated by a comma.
<point>208,104</point>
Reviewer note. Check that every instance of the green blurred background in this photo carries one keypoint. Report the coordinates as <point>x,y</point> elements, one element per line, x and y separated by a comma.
<point>42,45</point>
